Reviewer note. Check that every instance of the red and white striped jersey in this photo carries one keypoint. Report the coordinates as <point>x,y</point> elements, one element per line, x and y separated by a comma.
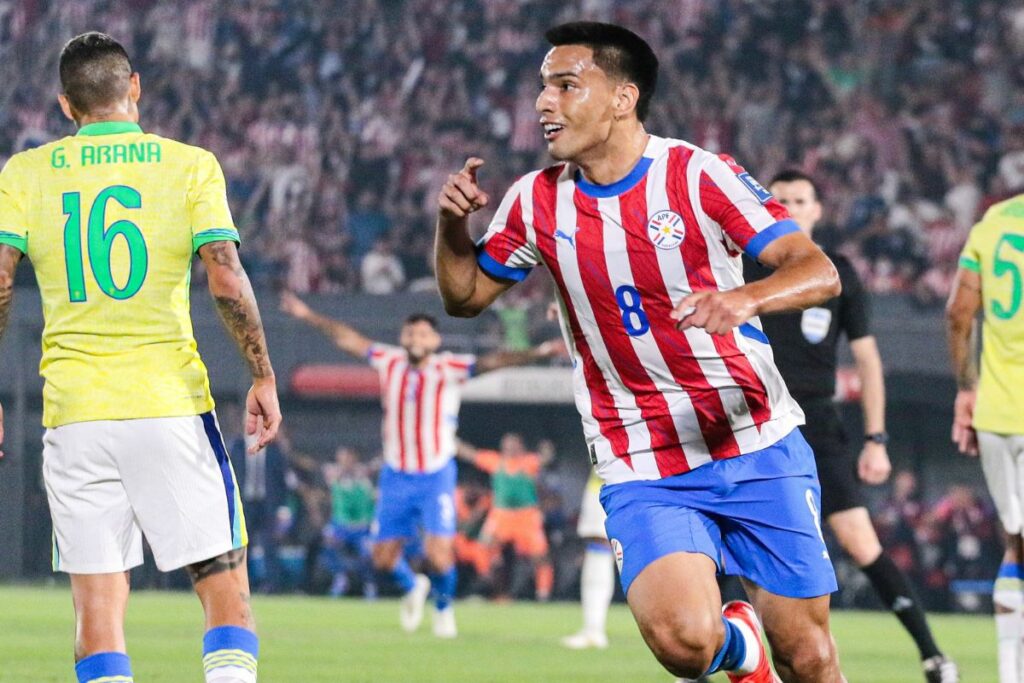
<point>655,401</point>
<point>421,406</point>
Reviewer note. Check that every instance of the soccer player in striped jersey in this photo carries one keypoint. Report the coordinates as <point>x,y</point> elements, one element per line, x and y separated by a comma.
<point>687,419</point>
<point>988,408</point>
<point>111,219</point>
<point>420,394</point>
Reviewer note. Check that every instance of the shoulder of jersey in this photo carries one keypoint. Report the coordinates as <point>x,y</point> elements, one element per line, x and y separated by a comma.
<point>1012,209</point>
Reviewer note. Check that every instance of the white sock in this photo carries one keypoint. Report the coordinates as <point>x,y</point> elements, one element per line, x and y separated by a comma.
<point>753,640</point>
<point>230,675</point>
<point>597,587</point>
<point>1009,631</point>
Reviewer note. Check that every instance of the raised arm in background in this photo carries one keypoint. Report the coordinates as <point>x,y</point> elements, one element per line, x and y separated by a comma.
<point>236,304</point>
<point>345,338</point>
<point>505,359</point>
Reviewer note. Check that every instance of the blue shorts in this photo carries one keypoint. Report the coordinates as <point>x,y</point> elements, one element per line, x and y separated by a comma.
<point>411,503</point>
<point>757,516</point>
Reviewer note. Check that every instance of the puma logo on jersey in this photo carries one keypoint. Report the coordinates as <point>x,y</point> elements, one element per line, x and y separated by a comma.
<point>568,237</point>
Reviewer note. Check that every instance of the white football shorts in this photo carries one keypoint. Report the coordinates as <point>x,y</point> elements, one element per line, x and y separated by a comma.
<point>592,516</point>
<point>109,482</point>
<point>1002,461</point>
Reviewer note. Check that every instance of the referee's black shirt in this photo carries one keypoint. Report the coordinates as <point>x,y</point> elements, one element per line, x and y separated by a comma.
<point>805,343</point>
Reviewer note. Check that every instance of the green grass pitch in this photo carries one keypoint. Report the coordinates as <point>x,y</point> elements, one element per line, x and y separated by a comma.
<point>316,639</point>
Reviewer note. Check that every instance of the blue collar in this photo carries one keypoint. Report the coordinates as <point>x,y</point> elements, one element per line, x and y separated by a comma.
<point>619,186</point>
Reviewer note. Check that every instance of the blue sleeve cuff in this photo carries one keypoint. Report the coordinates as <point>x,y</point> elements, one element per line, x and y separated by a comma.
<point>490,266</point>
<point>751,332</point>
<point>762,239</point>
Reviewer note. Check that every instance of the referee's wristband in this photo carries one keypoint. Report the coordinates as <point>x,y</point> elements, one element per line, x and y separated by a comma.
<point>877,437</point>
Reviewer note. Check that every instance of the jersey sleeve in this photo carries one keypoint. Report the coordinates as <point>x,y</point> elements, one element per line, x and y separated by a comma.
<point>461,365</point>
<point>970,257</point>
<point>14,206</point>
<point>487,461</point>
<point>854,311</point>
<point>380,355</point>
<point>504,251</point>
<point>208,204</point>
<point>749,215</point>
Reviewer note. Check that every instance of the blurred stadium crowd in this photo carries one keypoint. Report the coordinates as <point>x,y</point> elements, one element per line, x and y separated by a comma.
<point>336,127</point>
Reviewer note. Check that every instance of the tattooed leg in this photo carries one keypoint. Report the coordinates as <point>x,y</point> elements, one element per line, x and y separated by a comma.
<point>222,584</point>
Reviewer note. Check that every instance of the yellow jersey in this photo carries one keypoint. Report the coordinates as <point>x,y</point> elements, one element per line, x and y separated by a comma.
<point>110,219</point>
<point>995,250</point>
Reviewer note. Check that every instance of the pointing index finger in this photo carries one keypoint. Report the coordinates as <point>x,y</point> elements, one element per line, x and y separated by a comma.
<point>470,167</point>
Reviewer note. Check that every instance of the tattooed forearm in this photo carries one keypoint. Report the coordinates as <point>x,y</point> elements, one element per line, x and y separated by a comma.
<point>236,305</point>
<point>232,559</point>
<point>9,257</point>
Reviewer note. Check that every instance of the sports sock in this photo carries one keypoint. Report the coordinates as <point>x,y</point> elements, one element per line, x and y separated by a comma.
<point>109,667</point>
<point>402,575</point>
<point>544,580</point>
<point>1008,601</point>
<point>891,585</point>
<point>444,588</point>
<point>230,654</point>
<point>732,655</point>
<point>597,586</point>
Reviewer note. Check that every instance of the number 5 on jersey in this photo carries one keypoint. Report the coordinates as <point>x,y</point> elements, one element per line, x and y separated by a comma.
<point>100,242</point>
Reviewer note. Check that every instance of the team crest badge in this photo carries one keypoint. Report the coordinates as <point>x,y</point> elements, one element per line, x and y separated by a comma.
<point>814,323</point>
<point>666,230</point>
<point>617,549</point>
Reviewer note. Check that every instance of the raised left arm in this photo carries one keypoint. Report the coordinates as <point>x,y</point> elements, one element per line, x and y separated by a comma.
<point>505,359</point>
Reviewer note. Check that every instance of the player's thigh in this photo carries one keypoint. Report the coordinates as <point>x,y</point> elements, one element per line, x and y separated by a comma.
<point>771,524</point>
<point>1004,476</point>
<point>437,502</point>
<point>94,526</point>
<point>182,488</point>
<point>398,512</point>
<point>797,628</point>
<point>856,534</point>
<point>530,539</point>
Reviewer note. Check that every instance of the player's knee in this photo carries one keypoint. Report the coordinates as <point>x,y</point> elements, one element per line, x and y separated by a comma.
<point>808,657</point>
<point>686,646</point>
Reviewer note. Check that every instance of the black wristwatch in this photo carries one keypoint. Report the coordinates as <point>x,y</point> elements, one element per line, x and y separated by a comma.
<point>878,437</point>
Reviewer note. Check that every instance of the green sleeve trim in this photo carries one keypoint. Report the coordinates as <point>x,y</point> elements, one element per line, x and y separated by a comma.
<point>17,241</point>
<point>214,235</point>
<point>970,264</point>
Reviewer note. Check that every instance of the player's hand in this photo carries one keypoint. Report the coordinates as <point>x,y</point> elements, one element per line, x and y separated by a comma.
<point>293,305</point>
<point>262,412</point>
<point>552,348</point>
<point>874,467</point>
<point>716,312</point>
<point>963,434</point>
<point>461,195</point>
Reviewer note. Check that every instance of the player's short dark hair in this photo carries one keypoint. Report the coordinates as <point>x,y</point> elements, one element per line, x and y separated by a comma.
<point>94,71</point>
<point>617,51</point>
<point>791,175</point>
<point>421,318</point>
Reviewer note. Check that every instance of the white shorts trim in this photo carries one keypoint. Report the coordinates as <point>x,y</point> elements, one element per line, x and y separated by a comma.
<point>1002,461</point>
<point>109,482</point>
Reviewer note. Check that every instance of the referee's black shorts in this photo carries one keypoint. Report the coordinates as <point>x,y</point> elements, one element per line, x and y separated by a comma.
<point>837,461</point>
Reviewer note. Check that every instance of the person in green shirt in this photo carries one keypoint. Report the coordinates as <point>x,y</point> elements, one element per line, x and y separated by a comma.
<point>347,534</point>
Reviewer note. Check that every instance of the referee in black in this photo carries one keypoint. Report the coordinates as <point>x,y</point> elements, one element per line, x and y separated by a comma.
<point>804,344</point>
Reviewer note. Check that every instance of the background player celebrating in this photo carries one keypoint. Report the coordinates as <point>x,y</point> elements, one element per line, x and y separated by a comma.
<point>674,377</point>
<point>516,518</point>
<point>805,345</point>
<point>420,396</point>
<point>132,444</point>
<point>987,412</point>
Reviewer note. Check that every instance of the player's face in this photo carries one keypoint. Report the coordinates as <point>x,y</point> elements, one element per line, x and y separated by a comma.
<point>419,340</point>
<point>800,200</point>
<point>576,102</point>
<point>511,445</point>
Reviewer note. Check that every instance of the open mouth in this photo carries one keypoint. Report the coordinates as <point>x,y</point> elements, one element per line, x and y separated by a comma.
<point>552,131</point>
